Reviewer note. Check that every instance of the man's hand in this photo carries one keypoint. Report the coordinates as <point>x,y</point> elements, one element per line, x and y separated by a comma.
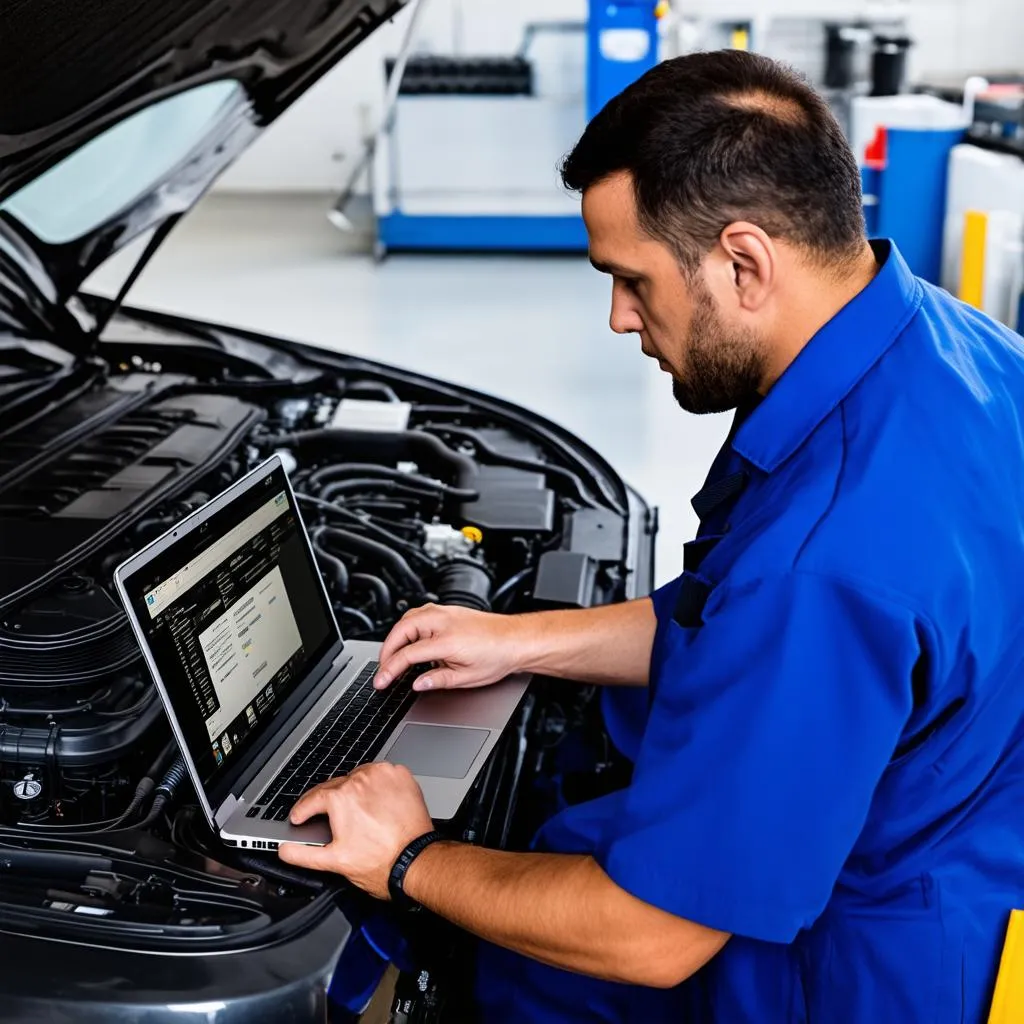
<point>468,648</point>
<point>374,813</point>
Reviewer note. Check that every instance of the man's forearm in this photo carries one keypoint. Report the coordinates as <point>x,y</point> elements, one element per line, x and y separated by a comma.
<point>560,909</point>
<point>609,645</point>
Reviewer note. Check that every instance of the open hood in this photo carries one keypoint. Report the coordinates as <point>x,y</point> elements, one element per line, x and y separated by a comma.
<point>117,115</point>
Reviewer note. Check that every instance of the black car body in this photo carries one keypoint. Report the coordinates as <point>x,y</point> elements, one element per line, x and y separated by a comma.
<point>115,118</point>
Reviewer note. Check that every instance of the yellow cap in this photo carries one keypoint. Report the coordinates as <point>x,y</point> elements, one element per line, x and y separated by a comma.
<point>662,8</point>
<point>472,533</point>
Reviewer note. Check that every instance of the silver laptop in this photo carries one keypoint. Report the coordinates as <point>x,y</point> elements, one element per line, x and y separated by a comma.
<point>263,695</point>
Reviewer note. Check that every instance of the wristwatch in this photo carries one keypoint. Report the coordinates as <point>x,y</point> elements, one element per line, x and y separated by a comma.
<point>396,880</point>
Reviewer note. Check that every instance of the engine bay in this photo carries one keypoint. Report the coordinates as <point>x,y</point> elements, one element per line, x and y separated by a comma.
<point>412,491</point>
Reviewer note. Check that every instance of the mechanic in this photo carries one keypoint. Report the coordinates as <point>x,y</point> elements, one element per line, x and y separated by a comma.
<point>825,815</point>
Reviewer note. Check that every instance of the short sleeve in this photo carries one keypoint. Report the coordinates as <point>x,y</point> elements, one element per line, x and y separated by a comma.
<point>625,708</point>
<point>770,729</point>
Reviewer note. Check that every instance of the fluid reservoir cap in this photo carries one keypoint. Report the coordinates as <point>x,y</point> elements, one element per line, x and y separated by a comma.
<point>473,534</point>
<point>27,788</point>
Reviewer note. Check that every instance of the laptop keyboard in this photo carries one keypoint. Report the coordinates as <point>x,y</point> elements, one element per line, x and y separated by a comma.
<point>350,734</point>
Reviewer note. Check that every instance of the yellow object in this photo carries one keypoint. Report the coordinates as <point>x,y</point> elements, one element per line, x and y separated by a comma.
<point>663,7</point>
<point>1008,1002</point>
<point>972,258</point>
<point>472,533</point>
<point>740,38</point>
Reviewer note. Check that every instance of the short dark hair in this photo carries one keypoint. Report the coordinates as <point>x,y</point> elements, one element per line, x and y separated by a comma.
<point>712,138</point>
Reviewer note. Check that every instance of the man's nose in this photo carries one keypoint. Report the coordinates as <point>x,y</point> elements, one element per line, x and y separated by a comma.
<point>624,317</point>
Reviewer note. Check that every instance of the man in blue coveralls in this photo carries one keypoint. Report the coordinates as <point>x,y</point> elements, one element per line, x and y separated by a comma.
<point>826,816</point>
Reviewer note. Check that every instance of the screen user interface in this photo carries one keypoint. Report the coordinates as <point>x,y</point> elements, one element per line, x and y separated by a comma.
<point>235,617</point>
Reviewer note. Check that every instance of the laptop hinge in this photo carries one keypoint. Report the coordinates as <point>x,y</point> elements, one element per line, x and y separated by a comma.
<point>225,811</point>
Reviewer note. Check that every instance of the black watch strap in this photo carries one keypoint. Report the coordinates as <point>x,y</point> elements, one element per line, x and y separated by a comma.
<point>396,880</point>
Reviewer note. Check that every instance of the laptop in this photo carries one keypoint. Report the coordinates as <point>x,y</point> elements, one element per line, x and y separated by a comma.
<point>264,696</point>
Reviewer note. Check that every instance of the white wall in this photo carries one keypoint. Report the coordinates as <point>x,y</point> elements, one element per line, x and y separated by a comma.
<point>312,148</point>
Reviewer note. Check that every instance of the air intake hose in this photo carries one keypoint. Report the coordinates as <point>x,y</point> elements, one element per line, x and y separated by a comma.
<point>427,451</point>
<point>461,581</point>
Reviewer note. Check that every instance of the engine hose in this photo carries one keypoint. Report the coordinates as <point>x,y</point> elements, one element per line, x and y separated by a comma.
<point>378,485</point>
<point>330,564</point>
<point>328,474</point>
<point>362,618</point>
<point>507,589</point>
<point>378,588</point>
<point>279,871</point>
<point>154,524</point>
<point>531,465</point>
<point>426,450</point>
<point>372,530</point>
<point>461,581</point>
<point>396,565</point>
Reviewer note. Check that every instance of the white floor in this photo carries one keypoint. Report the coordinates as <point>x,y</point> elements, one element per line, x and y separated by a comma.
<point>532,330</point>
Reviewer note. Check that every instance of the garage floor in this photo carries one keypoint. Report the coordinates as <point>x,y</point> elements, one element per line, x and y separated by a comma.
<point>532,330</point>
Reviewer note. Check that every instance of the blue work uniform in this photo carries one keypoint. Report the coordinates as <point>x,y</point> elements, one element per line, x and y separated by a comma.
<point>830,767</point>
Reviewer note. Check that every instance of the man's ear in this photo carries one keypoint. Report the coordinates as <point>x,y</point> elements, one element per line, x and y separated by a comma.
<point>752,260</point>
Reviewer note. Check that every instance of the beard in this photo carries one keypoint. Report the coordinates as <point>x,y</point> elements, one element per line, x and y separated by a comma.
<point>723,368</point>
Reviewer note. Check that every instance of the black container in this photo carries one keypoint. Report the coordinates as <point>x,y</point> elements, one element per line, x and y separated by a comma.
<point>889,65</point>
<point>840,53</point>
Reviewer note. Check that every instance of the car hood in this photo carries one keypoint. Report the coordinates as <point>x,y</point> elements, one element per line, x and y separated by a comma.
<point>75,74</point>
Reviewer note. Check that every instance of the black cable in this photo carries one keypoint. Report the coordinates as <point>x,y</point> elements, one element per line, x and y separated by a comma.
<point>82,705</point>
<point>147,698</point>
<point>279,871</point>
<point>173,778</point>
<point>165,792</point>
<point>162,759</point>
<point>378,532</point>
<point>396,565</point>
<point>379,589</point>
<point>331,564</point>
<point>142,791</point>
<point>508,587</point>
<point>385,447</point>
<point>354,613</point>
<point>377,485</point>
<point>329,474</point>
<point>531,465</point>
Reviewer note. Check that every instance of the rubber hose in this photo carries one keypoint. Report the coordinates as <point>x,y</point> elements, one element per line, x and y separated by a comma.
<point>463,582</point>
<point>426,450</point>
<point>331,564</point>
<point>398,567</point>
<point>330,473</point>
<point>279,871</point>
<point>354,613</point>
<point>379,485</point>
<point>531,465</point>
<point>386,536</point>
<point>378,588</point>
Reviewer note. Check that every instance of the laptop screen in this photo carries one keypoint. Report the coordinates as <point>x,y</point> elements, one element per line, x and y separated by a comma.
<point>235,617</point>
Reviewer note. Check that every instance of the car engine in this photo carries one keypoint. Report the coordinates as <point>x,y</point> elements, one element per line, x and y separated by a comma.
<point>412,491</point>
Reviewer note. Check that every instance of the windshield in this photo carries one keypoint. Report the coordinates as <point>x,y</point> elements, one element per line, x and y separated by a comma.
<point>87,188</point>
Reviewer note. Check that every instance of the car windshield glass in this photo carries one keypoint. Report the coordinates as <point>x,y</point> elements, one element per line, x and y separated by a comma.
<point>96,181</point>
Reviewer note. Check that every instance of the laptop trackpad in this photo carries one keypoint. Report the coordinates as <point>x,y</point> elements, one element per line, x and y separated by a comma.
<point>441,751</point>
